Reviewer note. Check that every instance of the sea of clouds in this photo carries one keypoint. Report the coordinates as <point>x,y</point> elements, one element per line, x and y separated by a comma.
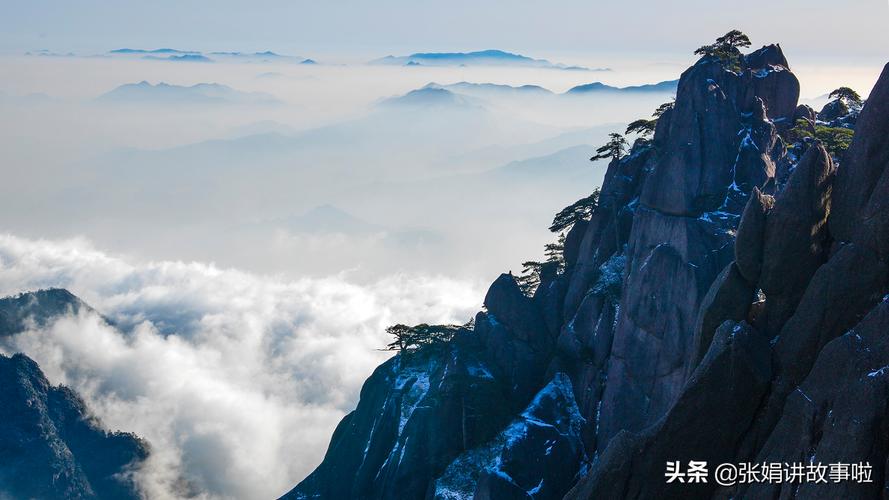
<point>236,380</point>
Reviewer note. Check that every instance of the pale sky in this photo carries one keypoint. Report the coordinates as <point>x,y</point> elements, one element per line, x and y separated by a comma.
<point>853,29</point>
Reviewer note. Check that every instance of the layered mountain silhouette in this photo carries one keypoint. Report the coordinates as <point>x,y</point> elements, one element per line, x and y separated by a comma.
<point>493,90</point>
<point>491,57</point>
<point>168,54</point>
<point>168,94</point>
<point>667,87</point>
<point>726,302</point>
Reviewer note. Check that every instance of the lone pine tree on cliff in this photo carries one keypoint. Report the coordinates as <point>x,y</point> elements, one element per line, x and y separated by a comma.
<point>408,339</point>
<point>726,49</point>
<point>614,149</point>
<point>644,128</point>
<point>663,108</point>
<point>581,209</point>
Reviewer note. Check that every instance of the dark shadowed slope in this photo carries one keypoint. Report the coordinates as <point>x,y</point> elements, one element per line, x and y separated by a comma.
<point>52,447</point>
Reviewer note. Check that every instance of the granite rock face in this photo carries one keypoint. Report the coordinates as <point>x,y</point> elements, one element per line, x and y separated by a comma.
<point>796,240</point>
<point>863,163</point>
<point>717,403</point>
<point>535,456</point>
<point>838,414</point>
<point>724,302</point>
<point>751,235</point>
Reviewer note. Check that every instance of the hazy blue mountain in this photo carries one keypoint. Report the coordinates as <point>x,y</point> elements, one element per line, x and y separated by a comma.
<point>182,58</point>
<point>499,91</point>
<point>491,57</point>
<point>48,53</point>
<point>491,89</point>
<point>201,93</point>
<point>266,56</point>
<point>168,54</point>
<point>151,51</point>
<point>430,96</point>
<point>662,87</point>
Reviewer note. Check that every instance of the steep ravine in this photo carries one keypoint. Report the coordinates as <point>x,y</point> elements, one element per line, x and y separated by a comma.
<point>725,302</point>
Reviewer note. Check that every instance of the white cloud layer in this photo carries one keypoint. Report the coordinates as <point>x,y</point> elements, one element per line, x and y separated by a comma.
<point>236,380</point>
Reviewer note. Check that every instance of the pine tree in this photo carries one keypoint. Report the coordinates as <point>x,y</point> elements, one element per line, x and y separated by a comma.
<point>644,128</point>
<point>581,209</point>
<point>554,252</point>
<point>614,149</point>
<point>409,339</point>
<point>847,96</point>
<point>530,277</point>
<point>663,108</point>
<point>734,38</point>
<point>726,49</point>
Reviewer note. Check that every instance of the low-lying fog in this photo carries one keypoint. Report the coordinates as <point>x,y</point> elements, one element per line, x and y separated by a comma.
<point>261,224</point>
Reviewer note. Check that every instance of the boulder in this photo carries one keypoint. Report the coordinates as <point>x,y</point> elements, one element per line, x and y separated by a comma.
<point>751,235</point>
<point>833,110</point>
<point>796,238</point>
<point>773,82</point>
<point>805,112</point>
<point>766,57</point>
<point>728,299</point>
<point>506,301</point>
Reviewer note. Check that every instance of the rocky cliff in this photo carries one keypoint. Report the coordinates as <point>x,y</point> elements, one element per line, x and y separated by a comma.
<point>51,446</point>
<point>725,302</point>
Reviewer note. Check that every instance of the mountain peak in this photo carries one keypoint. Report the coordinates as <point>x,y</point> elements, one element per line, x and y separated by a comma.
<point>38,308</point>
<point>487,57</point>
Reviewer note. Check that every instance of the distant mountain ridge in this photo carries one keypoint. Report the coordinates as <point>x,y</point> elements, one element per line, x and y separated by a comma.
<point>490,88</point>
<point>668,86</point>
<point>431,96</point>
<point>201,93</point>
<point>151,51</point>
<point>181,58</point>
<point>168,54</point>
<point>456,93</point>
<point>490,57</point>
